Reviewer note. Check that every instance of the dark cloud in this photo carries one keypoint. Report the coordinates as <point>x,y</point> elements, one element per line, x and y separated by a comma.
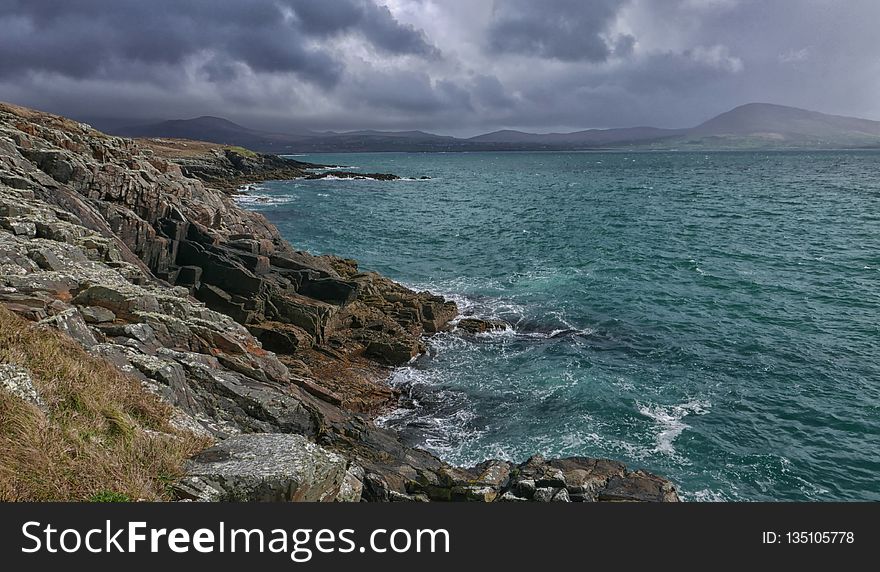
<point>375,22</point>
<point>91,38</point>
<point>568,30</point>
<point>489,92</point>
<point>459,66</point>
<point>407,91</point>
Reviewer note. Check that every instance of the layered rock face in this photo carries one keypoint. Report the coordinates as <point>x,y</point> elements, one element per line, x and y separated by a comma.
<point>270,350</point>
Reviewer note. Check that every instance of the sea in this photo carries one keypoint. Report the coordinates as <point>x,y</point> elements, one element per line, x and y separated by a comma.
<point>713,317</point>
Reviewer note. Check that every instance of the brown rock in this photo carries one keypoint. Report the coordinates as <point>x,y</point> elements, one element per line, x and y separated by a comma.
<point>480,326</point>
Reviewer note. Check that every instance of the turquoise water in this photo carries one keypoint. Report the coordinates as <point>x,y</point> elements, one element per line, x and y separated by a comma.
<point>714,318</point>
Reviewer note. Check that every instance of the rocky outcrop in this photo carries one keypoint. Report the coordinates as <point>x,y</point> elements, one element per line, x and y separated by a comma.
<point>222,166</point>
<point>268,467</point>
<point>145,263</point>
<point>350,175</point>
<point>481,326</point>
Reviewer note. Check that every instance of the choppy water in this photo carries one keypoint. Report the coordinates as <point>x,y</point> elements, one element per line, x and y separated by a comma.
<point>714,317</point>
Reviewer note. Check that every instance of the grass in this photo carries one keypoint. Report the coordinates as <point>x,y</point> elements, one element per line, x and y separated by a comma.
<point>109,496</point>
<point>241,151</point>
<point>103,438</point>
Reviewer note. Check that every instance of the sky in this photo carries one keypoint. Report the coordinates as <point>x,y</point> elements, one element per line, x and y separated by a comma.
<point>457,67</point>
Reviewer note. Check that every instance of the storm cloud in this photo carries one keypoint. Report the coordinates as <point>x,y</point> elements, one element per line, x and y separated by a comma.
<point>453,66</point>
<point>94,39</point>
<point>568,30</point>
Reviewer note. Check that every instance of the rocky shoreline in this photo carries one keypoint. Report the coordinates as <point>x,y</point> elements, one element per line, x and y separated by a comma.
<point>137,251</point>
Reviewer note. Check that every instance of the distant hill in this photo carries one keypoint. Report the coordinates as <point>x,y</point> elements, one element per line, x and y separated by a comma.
<point>589,137</point>
<point>779,125</point>
<point>213,129</point>
<point>755,125</point>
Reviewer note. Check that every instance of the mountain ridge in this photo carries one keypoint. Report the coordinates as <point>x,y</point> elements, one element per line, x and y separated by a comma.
<point>752,125</point>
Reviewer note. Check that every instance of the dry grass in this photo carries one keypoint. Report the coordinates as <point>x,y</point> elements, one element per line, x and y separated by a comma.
<point>44,118</point>
<point>174,148</point>
<point>104,435</point>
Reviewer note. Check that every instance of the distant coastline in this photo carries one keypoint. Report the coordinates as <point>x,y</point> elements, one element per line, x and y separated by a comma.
<point>754,126</point>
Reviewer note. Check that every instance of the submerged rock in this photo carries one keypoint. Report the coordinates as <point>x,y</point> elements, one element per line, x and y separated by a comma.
<point>481,326</point>
<point>350,175</point>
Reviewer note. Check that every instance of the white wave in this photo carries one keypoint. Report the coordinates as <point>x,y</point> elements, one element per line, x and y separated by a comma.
<point>335,178</point>
<point>337,168</point>
<point>250,187</point>
<point>669,421</point>
<point>262,199</point>
<point>705,495</point>
<point>444,433</point>
<point>499,308</point>
<point>357,177</point>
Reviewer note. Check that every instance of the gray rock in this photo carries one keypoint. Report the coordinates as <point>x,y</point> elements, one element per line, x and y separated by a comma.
<point>492,473</point>
<point>561,496</point>
<point>510,497</point>
<point>525,488</point>
<point>585,476</point>
<point>394,496</point>
<point>17,380</point>
<point>475,493</point>
<point>352,485</point>
<point>71,323</point>
<point>19,227</point>
<point>123,302</point>
<point>639,486</point>
<point>97,314</point>
<point>544,494</point>
<point>46,259</point>
<point>264,467</point>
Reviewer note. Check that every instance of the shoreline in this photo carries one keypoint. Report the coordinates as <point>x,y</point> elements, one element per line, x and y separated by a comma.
<point>147,262</point>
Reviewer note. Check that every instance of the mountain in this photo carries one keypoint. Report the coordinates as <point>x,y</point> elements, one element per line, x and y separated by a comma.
<point>213,129</point>
<point>750,126</point>
<point>756,122</point>
<point>587,137</point>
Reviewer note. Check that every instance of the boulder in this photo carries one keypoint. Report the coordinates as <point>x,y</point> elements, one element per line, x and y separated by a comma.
<point>265,467</point>
<point>46,259</point>
<point>71,323</point>
<point>96,314</point>
<point>122,302</point>
<point>585,476</point>
<point>638,486</point>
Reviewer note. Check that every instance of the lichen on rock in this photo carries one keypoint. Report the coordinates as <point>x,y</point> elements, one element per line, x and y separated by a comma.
<point>17,380</point>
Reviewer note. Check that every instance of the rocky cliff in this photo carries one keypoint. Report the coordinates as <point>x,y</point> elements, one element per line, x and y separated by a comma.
<point>142,257</point>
